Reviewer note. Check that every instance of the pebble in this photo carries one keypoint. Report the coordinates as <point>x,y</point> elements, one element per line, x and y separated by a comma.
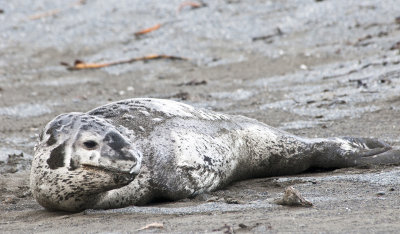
<point>380,193</point>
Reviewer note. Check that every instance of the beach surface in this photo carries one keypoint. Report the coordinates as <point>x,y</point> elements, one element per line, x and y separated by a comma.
<point>313,68</point>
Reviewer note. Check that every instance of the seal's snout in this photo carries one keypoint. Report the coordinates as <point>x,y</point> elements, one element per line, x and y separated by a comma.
<point>134,160</point>
<point>129,155</point>
<point>133,171</point>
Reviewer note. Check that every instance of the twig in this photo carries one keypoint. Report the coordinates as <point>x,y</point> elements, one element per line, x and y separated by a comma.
<point>193,5</point>
<point>44,14</point>
<point>147,30</point>
<point>151,225</point>
<point>278,32</point>
<point>80,65</point>
<point>55,11</point>
<point>193,83</point>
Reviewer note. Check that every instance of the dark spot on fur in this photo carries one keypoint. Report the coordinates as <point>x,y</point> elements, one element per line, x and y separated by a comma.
<point>85,127</point>
<point>56,159</point>
<point>208,160</point>
<point>116,142</point>
<point>52,140</point>
<point>72,165</point>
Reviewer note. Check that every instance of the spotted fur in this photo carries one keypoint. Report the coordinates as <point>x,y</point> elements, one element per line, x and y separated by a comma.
<point>133,151</point>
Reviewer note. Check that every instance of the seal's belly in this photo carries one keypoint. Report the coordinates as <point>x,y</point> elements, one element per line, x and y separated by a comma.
<point>210,160</point>
<point>195,158</point>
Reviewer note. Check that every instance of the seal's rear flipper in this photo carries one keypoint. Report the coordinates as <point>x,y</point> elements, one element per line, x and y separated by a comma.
<point>389,157</point>
<point>354,152</point>
<point>369,151</point>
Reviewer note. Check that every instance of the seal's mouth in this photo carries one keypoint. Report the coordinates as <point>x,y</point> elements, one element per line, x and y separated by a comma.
<point>120,176</point>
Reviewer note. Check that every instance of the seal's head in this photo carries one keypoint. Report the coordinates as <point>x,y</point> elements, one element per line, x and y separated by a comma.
<point>78,158</point>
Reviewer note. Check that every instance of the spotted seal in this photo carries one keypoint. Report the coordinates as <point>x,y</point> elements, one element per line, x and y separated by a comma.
<point>134,151</point>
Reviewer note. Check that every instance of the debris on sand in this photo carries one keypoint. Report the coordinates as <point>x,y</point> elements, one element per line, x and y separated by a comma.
<point>151,225</point>
<point>246,228</point>
<point>395,46</point>
<point>80,65</point>
<point>268,38</point>
<point>230,200</point>
<point>147,30</point>
<point>193,83</point>
<point>44,14</point>
<point>224,229</point>
<point>55,11</point>
<point>397,20</point>
<point>380,193</point>
<point>192,5</point>
<point>15,162</point>
<point>10,200</point>
<point>292,197</point>
<point>182,95</point>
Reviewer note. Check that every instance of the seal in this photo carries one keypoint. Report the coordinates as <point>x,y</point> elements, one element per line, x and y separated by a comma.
<point>134,151</point>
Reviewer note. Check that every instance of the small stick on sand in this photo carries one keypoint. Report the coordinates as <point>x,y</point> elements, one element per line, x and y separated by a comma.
<point>80,65</point>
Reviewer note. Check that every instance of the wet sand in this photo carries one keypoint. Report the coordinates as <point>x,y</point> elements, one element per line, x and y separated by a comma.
<point>313,68</point>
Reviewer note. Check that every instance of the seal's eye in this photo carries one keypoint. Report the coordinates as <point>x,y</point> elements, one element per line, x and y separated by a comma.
<point>90,144</point>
